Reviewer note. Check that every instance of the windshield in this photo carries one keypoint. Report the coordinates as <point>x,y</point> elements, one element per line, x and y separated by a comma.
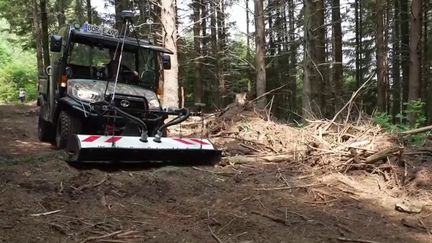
<point>88,61</point>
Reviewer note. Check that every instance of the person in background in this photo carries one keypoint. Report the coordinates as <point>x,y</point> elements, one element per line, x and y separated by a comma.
<point>22,95</point>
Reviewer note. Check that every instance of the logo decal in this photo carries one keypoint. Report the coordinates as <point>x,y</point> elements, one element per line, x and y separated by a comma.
<point>125,103</point>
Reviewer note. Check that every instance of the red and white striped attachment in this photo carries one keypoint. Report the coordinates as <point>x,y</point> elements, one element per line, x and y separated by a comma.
<point>99,141</point>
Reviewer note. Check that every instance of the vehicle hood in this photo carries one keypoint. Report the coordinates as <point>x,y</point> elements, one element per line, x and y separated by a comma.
<point>99,86</point>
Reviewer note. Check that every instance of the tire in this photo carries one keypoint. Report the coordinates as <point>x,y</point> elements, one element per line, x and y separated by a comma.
<point>45,131</point>
<point>67,125</point>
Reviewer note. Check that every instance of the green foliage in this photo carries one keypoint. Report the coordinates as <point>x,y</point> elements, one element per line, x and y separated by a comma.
<point>17,69</point>
<point>415,108</point>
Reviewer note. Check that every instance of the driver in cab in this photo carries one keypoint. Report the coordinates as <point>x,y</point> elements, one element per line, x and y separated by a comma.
<point>126,75</point>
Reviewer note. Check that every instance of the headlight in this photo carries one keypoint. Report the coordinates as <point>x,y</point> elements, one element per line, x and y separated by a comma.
<point>78,91</point>
<point>154,104</point>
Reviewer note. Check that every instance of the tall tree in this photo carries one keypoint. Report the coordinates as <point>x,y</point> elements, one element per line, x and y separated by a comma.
<point>89,10</point>
<point>292,56</point>
<point>405,43</point>
<point>396,87</point>
<point>196,5</point>
<point>260,65</point>
<point>37,36</point>
<point>60,6</point>
<point>415,50</point>
<point>314,36</point>
<point>337,71</point>
<point>44,31</point>
<point>169,37</point>
<point>381,56</point>
<point>358,36</point>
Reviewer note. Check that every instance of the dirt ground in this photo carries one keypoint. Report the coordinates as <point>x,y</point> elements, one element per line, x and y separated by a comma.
<point>43,199</point>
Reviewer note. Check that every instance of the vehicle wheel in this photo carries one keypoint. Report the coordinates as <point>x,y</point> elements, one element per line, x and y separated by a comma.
<point>45,131</point>
<point>67,125</point>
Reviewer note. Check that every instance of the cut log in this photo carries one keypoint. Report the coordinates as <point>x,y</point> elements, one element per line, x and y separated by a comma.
<point>418,130</point>
<point>382,154</point>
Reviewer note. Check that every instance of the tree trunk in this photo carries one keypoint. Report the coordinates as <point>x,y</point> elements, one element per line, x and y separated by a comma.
<point>79,11</point>
<point>60,9</point>
<point>358,40</point>
<point>89,11</point>
<point>260,65</point>
<point>314,57</point>
<point>381,56</point>
<point>396,87</point>
<point>337,71</point>
<point>197,49</point>
<point>293,57</point>
<point>169,37</point>
<point>405,42</point>
<point>415,50</point>
<point>44,31</point>
<point>220,8</point>
<point>38,37</point>
<point>247,29</point>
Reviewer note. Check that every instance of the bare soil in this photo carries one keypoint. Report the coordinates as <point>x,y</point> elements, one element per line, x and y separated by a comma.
<point>43,199</point>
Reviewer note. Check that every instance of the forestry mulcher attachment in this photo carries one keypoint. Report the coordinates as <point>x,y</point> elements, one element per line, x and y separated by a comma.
<point>100,101</point>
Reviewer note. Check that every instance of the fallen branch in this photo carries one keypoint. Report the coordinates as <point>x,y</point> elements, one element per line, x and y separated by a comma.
<point>45,214</point>
<point>264,158</point>
<point>102,236</point>
<point>417,130</point>
<point>214,235</point>
<point>382,154</point>
<point>356,240</point>
<point>287,187</point>
<point>273,218</point>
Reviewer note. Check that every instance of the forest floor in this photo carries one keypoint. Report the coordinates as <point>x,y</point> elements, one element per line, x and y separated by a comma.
<point>43,199</point>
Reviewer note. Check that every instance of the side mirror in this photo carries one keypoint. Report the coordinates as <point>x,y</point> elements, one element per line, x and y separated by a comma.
<point>56,43</point>
<point>166,62</point>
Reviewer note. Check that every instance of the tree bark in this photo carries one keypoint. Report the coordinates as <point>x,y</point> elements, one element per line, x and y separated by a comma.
<point>197,49</point>
<point>89,11</point>
<point>60,9</point>
<point>405,43</point>
<point>44,31</point>
<point>381,56</point>
<point>293,57</point>
<point>314,57</point>
<point>38,37</point>
<point>337,70</point>
<point>169,37</point>
<point>260,52</point>
<point>220,8</point>
<point>415,50</point>
<point>358,40</point>
<point>396,87</point>
<point>247,29</point>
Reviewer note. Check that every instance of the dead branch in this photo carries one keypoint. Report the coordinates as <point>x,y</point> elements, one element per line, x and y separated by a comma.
<point>45,214</point>
<point>382,154</point>
<point>273,218</point>
<point>356,240</point>
<point>287,187</point>
<point>214,235</point>
<point>354,95</point>
<point>92,238</point>
<point>417,130</point>
<point>260,158</point>
<point>266,93</point>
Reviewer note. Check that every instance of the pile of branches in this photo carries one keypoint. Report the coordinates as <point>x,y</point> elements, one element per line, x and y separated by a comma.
<point>345,147</point>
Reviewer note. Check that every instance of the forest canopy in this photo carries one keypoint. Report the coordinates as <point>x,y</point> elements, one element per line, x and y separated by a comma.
<point>314,53</point>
